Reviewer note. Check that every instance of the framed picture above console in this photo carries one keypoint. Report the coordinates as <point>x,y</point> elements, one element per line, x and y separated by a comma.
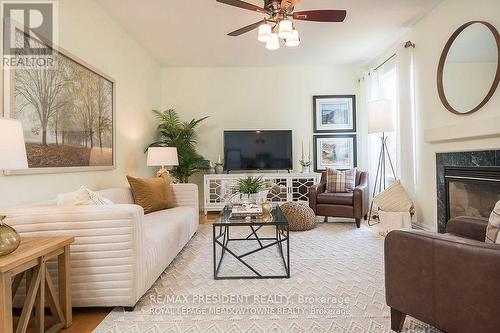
<point>334,114</point>
<point>335,151</point>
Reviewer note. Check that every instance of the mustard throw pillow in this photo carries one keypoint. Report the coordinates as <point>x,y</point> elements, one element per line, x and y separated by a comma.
<point>152,194</point>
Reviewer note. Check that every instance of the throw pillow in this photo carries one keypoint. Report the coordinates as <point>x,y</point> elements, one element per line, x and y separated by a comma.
<point>83,196</point>
<point>340,181</point>
<point>152,194</point>
<point>493,229</point>
<point>394,199</point>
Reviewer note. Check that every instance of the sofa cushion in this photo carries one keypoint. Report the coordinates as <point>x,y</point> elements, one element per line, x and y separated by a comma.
<point>165,234</point>
<point>82,197</point>
<point>152,194</point>
<point>336,198</point>
<point>119,195</point>
<point>340,181</point>
<point>493,229</point>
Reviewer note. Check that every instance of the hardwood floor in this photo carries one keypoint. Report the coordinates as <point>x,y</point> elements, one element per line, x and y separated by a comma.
<point>85,320</point>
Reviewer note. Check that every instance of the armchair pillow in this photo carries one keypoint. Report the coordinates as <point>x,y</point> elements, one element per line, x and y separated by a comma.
<point>152,194</point>
<point>493,229</point>
<point>394,199</point>
<point>340,181</point>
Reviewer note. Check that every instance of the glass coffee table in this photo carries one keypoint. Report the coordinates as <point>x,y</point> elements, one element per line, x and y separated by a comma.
<point>256,248</point>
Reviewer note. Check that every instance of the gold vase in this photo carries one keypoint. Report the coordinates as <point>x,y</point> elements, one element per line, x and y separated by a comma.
<point>267,207</point>
<point>9,238</point>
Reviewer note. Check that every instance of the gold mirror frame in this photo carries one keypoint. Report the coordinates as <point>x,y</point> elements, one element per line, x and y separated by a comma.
<point>442,62</point>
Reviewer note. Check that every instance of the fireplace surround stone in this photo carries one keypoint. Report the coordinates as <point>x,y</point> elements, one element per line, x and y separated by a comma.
<point>485,158</point>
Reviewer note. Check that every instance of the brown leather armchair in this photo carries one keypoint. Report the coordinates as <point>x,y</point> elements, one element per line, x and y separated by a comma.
<point>450,281</point>
<point>351,205</point>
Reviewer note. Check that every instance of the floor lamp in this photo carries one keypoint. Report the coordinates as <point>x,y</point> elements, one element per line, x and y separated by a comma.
<point>381,120</point>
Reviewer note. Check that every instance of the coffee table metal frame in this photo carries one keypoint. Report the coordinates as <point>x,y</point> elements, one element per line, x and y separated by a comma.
<point>222,237</point>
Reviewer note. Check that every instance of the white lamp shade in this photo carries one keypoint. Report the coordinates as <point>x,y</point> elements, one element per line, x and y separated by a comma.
<point>273,43</point>
<point>162,156</point>
<point>285,29</point>
<point>12,146</point>
<point>380,116</point>
<point>265,31</point>
<point>293,40</point>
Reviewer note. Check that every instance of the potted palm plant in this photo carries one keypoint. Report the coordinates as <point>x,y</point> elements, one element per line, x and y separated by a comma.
<point>173,132</point>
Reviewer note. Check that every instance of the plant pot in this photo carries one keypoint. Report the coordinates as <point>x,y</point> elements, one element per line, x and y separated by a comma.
<point>306,169</point>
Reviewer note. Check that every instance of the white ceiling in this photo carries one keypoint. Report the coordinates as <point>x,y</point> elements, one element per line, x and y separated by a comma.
<point>193,32</point>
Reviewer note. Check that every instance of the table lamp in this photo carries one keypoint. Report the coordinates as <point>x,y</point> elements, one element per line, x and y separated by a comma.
<point>12,157</point>
<point>381,120</point>
<point>162,156</point>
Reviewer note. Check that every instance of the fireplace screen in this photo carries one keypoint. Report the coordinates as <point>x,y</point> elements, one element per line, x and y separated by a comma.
<point>472,198</point>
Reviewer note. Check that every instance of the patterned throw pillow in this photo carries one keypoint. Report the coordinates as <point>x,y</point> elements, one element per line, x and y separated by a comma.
<point>493,229</point>
<point>340,181</point>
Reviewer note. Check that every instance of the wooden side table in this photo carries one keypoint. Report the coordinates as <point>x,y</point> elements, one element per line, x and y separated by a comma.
<point>30,260</point>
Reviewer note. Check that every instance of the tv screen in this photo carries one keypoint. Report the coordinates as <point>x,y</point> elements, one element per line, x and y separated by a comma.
<point>258,150</point>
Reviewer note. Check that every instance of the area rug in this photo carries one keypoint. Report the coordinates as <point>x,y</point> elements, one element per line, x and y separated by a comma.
<point>336,285</point>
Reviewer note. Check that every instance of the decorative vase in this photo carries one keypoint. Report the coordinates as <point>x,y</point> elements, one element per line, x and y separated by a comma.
<point>306,169</point>
<point>9,238</point>
<point>219,168</point>
<point>267,207</point>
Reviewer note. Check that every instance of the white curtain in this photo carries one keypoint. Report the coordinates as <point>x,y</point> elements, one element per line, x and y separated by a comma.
<point>406,118</point>
<point>378,85</point>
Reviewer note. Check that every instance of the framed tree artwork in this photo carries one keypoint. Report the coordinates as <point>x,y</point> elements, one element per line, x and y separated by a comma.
<point>335,151</point>
<point>334,114</point>
<point>67,111</point>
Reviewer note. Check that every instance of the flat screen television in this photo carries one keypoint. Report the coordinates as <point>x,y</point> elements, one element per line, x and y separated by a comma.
<point>258,150</point>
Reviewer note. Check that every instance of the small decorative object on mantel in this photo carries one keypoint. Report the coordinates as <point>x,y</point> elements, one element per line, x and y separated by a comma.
<point>305,164</point>
<point>211,168</point>
<point>335,151</point>
<point>12,157</point>
<point>334,114</point>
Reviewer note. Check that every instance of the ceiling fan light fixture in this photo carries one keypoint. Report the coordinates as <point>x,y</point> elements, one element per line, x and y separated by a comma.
<point>274,42</point>
<point>285,29</point>
<point>294,40</point>
<point>265,31</point>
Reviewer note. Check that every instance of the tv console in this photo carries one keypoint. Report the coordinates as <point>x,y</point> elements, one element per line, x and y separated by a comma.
<point>295,187</point>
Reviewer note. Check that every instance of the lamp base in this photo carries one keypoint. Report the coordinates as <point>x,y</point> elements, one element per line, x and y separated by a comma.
<point>9,238</point>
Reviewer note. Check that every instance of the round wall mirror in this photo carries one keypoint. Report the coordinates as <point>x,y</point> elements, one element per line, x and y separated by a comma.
<point>469,68</point>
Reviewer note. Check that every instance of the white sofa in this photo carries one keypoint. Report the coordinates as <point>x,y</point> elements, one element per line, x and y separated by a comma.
<point>118,251</point>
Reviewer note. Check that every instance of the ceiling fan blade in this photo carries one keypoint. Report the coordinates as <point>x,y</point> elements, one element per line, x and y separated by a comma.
<point>321,15</point>
<point>246,29</point>
<point>244,5</point>
<point>288,4</point>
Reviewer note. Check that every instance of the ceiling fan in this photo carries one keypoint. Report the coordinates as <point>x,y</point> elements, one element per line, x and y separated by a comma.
<point>278,25</point>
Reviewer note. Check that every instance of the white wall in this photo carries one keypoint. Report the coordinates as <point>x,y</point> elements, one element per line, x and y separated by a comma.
<point>252,98</point>
<point>434,123</point>
<point>88,32</point>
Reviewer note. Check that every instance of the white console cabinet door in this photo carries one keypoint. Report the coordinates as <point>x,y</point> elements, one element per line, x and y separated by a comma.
<point>293,187</point>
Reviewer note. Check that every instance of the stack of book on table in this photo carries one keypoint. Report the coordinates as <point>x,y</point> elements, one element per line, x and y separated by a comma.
<point>246,211</point>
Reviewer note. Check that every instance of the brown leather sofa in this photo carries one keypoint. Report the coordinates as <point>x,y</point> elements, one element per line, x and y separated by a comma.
<point>450,281</point>
<point>351,205</point>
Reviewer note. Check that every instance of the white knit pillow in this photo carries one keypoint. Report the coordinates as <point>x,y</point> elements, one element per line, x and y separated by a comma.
<point>394,199</point>
<point>493,229</point>
<point>83,196</point>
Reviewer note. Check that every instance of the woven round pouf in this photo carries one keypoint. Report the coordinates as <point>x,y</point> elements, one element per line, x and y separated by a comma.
<point>300,216</point>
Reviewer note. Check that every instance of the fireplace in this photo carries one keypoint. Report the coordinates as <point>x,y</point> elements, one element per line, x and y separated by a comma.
<point>467,184</point>
<point>471,191</point>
